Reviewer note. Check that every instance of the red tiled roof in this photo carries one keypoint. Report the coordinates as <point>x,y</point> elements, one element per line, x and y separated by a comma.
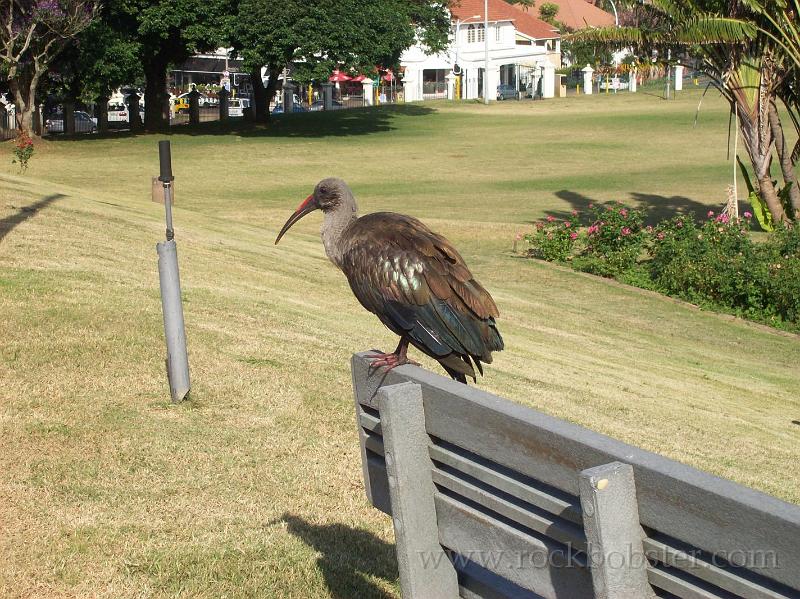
<point>579,14</point>
<point>500,10</point>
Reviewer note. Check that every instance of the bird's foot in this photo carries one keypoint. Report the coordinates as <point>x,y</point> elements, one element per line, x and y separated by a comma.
<point>390,361</point>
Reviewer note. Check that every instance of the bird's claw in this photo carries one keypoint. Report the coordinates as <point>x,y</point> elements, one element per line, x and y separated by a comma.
<point>389,361</point>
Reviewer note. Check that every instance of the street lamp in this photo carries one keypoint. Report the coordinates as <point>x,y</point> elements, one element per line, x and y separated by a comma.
<point>486,51</point>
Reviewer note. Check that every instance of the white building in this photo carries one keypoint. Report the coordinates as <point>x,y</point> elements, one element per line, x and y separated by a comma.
<point>523,53</point>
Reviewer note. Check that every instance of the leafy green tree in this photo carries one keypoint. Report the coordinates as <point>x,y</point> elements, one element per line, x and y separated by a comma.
<point>32,34</point>
<point>548,12</point>
<point>168,32</point>
<point>314,38</point>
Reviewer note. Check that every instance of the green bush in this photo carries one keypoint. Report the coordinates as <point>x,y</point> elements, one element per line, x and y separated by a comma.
<point>714,263</point>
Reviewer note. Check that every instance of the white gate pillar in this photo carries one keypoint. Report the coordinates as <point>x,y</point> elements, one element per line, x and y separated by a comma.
<point>549,81</point>
<point>451,86</point>
<point>587,79</point>
<point>632,80</point>
<point>369,93</point>
<point>678,77</point>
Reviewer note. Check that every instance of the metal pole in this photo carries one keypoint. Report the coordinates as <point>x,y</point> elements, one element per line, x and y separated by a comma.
<point>486,51</point>
<point>169,278</point>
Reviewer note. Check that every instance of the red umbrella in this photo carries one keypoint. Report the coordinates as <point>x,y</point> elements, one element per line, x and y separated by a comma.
<point>389,76</point>
<point>338,77</point>
<point>358,79</point>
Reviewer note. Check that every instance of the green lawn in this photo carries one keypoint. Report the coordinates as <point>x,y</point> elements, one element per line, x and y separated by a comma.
<point>253,488</point>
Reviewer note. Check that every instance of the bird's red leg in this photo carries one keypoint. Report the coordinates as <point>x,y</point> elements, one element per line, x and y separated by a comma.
<point>395,359</point>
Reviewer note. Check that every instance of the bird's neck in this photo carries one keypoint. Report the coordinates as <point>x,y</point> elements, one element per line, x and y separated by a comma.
<point>333,227</point>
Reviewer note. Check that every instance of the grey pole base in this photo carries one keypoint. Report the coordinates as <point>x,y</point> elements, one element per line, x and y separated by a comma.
<point>174,331</point>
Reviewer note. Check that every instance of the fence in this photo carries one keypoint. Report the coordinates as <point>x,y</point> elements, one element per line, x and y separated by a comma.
<point>8,126</point>
<point>493,499</point>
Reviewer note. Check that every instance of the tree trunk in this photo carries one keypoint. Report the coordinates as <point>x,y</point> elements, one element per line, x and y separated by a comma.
<point>759,149</point>
<point>260,103</point>
<point>156,98</point>
<point>785,159</point>
<point>101,112</point>
<point>272,85</point>
<point>24,106</point>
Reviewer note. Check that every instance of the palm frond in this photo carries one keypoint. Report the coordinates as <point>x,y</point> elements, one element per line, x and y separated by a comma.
<point>709,29</point>
<point>607,35</point>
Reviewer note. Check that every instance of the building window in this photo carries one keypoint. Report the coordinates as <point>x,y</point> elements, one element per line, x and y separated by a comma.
<point>475,33</point>
<point>497,34</point>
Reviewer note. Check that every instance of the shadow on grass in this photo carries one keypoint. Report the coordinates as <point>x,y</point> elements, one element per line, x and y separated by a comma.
<point>8,223</point>
<point>656,207</point>
<point>337,123</point>
<point>349,557</point>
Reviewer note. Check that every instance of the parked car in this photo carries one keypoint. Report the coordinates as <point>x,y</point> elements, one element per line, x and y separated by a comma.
<point>83,122</point>
<point>295,108</point>
<point>236,106</point>
<point>506,92</point>
<point>320,105</point>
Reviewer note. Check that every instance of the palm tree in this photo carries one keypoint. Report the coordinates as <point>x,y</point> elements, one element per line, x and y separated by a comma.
<point>748,66</point>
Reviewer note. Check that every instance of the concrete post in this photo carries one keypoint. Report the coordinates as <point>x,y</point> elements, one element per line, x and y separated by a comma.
<point>587,79</point>
<point>411,490</point>
<point>194,106</point>
<point>613,533</point>
<point>224,96</point>
<point>327,96</point>
<point>549,81</point>
<point>633,76</point>
<point>678,77</point>
<point>288,97</point>
<point>451,86</point>
<point>69,117</point>
<point>369,94</point>
<point>133,112</point>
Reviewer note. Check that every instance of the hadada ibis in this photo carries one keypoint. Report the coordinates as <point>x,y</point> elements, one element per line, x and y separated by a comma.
<point>412,279</point>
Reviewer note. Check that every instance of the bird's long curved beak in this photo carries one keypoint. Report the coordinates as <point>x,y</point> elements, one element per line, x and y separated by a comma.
<point>307,206</point>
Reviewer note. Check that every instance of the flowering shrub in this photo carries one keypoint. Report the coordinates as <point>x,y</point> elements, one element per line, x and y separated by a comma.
<point>23,150</point>
<point>713,263</point>
<point>615,239</point>
<point>554,240</point>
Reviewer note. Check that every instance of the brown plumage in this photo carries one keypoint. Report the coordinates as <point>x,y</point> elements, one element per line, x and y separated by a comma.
<point>411,278</point>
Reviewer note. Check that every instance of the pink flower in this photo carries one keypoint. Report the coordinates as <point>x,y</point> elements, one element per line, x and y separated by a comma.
<point>722,218</point>
<point>625,231</point>
<point>649,228</point>
<point>660,235</point>
<point>567,224</point>
<point>679,224</point>
<point>591,205</point>
<point>748,215</point>
<point>623,212</point>
<point>518,237</point>
<point>550,219</point>
<point>593,229</point>
<point>710,214</point>
<point>573,235</point>
<point>574,213</point>
<point>539,226</point>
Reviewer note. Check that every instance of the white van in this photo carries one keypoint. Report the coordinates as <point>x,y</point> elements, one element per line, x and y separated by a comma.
<point>236,106</point>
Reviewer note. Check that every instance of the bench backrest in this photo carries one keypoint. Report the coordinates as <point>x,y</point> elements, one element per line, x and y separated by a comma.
<point>494,499</point>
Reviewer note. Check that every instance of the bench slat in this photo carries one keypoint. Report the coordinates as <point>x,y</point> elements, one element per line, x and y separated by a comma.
<point>508,552</point>
<point>564,532</point>
<point>569,510</point>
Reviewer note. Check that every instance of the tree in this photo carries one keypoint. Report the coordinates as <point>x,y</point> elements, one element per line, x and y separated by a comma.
<point>168,32</point>
<point>745,65</point>
<point>548,12</point>
<point>525,3</point>
<point>32,34</point>
<point>317,37</point>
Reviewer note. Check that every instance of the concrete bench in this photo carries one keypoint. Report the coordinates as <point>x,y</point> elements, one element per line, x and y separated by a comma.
<point>490,499</point>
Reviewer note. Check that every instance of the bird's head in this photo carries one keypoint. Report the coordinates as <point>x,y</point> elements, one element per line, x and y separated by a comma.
<point>329,195</point>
